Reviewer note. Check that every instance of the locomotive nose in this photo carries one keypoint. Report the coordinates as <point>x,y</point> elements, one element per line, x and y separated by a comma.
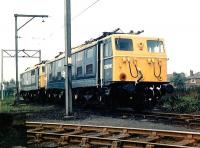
<point>146,69</point>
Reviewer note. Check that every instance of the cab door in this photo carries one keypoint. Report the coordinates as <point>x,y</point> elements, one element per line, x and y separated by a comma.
<point>105,62</point>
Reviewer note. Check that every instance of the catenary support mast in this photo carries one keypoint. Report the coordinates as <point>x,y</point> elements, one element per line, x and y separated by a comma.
<point>16,44</point>
<point>1,74</point>
<point>68,82</point>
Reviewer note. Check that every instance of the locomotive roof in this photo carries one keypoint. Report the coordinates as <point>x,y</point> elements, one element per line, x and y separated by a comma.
<point>29,69</point>
<point>93,42</point>
<point>34,67</point>
<point>76,49</point>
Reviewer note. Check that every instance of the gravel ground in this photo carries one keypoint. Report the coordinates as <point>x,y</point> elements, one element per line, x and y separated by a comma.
<point>99,117</point>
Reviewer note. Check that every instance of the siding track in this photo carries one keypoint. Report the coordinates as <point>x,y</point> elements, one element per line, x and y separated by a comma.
<point>188,120</point>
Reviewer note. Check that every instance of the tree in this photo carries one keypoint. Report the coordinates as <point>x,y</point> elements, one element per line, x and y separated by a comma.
<point>178,79</point>
<point>9,87</point>
<point>12,81</point>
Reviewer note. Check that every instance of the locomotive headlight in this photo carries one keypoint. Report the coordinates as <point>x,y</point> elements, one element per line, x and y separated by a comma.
<point>151,88</point>
<point>122,76</point>
<point>158,88</point>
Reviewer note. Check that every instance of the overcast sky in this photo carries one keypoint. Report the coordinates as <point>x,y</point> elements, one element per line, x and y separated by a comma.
<point>177,21</point>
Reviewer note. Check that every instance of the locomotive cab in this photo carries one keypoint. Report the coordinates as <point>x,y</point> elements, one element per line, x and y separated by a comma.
<point>134,69</point>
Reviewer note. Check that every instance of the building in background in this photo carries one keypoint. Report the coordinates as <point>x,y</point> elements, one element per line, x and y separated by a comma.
<point>193,80</point>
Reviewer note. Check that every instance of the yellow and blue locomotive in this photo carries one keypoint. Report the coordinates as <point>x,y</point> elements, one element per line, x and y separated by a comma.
<point>33,81</point>
<point>116,69</point>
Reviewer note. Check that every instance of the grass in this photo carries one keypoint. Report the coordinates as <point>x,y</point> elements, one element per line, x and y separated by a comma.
<point>7,106</point>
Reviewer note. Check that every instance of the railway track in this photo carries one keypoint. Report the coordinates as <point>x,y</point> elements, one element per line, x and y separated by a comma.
<point>107,136</point>
<point>191,121</point>
<point>187,120</point>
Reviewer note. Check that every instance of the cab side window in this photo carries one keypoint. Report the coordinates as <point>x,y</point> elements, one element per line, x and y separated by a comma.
<point>89,60</point>
<point>79,64</point>
<point>32,72</point>
<point>49,66</point>
<point>43,68</point>
<point>90,53</point>
<point>107,46</point>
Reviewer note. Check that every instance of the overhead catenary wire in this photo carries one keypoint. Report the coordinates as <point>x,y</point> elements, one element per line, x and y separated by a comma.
<point>73,18</point>
<point>79,14</point>
<point>84,10</point>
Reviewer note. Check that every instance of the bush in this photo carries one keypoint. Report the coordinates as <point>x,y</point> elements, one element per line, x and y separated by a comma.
<point>187,104</point>
<point>183,101</point>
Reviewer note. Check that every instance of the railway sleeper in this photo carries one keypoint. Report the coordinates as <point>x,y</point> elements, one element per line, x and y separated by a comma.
<point>91,135</point>
<point>63,140</point>
<point>185,142</point>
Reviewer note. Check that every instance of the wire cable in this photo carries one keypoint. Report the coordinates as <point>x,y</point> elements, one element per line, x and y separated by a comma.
<point>76,16</point>
<point>84,10</point>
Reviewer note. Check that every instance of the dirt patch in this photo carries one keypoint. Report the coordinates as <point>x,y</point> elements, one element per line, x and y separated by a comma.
<point>101,117</point>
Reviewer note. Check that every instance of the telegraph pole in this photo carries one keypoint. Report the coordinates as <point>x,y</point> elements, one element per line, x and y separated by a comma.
<point>68,82</point>
<point>16,44</point>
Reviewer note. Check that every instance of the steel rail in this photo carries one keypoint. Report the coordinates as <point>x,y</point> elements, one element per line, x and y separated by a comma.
<point>88,135</point>
<point>188,120</point>
<point>176,114</point>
